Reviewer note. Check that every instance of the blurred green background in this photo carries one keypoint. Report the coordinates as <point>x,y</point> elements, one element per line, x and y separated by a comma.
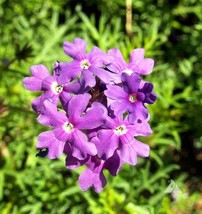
<point>32,32</point>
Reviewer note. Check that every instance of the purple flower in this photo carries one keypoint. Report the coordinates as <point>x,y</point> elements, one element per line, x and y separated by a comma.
<point>116,63</point>
<point>67,127</point>
<point>131,97</point>
<point>95,106</point>
<point>118,134</point>
<point>52,88</point>
<point>34,83</point>
<point>84,65</point>
<point>93,175</point>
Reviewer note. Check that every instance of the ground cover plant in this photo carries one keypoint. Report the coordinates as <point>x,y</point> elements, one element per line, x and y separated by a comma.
<point>33,33</point>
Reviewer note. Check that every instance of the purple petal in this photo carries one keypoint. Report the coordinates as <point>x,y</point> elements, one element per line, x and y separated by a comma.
<point>128,153</point>
<point>47,83</point>
<point>113,164</point>
<point>103,74</point>
<point>54,146</point>
<point>69,71</point>
<point>116,53</point>
<point>76,50</point>
<point>32,83</point>
<point>116,93</point>
<point>73,87</point>
<point>88,178</point>
<point>126,138</point>
<point>96,57</point>
<point>62,135</point>
<point>39,71</point>
<point>131,83</point>
<point>65,97</point>
<point>137,55</point>
<point>55,118</point>
<point>141,149</point>
<point>87,78</point>
<point>139,112</point>
<point>119,107</point>
<point>92,119</point>
<point>77,105</point>
<point>106,143</point>
<point>150,98</point>
<point>37,105</point>
<point>81,147</point>
<point>147,87</point>
<point>72,162</point>
<point>147,66</point>
<point>139,128</point>
<point>117,63</point>
<point>143,66</point>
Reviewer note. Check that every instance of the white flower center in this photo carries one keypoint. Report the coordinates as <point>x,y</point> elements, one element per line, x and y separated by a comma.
<point>127,71</point>
<point>68,127</point>
<point>120,130</point>
<point>56,88</point>
<point>85,64</point>
<point>132,98</point>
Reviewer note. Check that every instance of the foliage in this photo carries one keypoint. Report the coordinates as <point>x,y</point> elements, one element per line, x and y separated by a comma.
<point>32,32</point>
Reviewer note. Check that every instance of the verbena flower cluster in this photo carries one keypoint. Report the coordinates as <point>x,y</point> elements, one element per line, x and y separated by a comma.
<point>96,107</point>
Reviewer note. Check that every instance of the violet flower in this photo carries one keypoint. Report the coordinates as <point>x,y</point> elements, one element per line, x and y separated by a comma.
<point>84,65</point>
<point>67,129</point>
<point>131,97</point>
<point>96,108</point>
<point>118,134</point>
<point>52,88</point>
<point>93,174</point>
<point>137,64</point>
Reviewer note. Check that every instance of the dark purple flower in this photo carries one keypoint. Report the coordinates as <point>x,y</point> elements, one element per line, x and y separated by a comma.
<point>131,97</point>
<point>67,127</point>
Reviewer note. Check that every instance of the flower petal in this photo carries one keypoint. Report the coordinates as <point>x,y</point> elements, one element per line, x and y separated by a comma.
<point>32,83</point>
<point>68,71</point>
<point>137,55</point>
<point>106,143</point>
<point>77,106</point>
<point>139,112</point>
<point>81,147</point>
<point>128,153</point>
<point>147,66</point>
<point>92,119</point>
<point>119,107</point>
<point>76,49</point>
<point>88,178</point>
<point>130,83</point>
<point>55,118</point>
<point>72,162</point>
<point>96,57</point>
<point>87,78</point>
<point>114,163</point>
<point>54,146</point>
<point>141,149</point>
<point>39,71</point>
<point>103,74</point>
<point>116,93</point>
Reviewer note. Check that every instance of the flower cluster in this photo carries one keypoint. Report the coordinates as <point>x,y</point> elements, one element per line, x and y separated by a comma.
<point>96,107</point>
